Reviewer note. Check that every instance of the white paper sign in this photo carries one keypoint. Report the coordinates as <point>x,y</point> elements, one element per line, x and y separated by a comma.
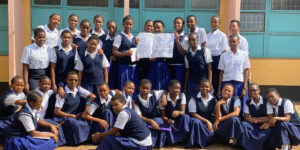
<point>155,45</point>
<point>133,56</point>
<point>163,44</point>
<point>144,48</point>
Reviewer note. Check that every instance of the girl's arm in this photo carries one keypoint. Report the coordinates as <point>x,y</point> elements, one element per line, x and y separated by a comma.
<point>35,133</point>
<point>52,74</point>
<point>52,127</point>
<point>209,72</point>
<point>97,137</point>
<point>21,102</point>
<point>58,112</point>
<point>246,78</point>
<point>165,118</point>
<point>121,54</point>
<point>151,122</point>
<point>255,120</point>
<point>220,81</point>
<point>195,115</point>
<point>186,79</point>
<point>179,47</point>
<point>25,75</point>
<point>235,113</point>
<point>105,73</point>
<point>182,109</point>
<point>102,122</point>
<point>79,76</point>
<point>286,118</point>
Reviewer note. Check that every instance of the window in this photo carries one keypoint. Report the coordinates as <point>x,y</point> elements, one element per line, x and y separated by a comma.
<point>285,5</point>
<point>179,4</point>
<point>132,3</point>
<point>88,3</point>
<point>203,4</point>
<point>253,4</point>
<point>3,2</point>
<point>253,22</point>
<point>47,2</point>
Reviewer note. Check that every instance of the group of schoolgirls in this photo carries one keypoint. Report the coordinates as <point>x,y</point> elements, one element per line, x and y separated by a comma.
<point>85,108</point>
<point>153,118</point>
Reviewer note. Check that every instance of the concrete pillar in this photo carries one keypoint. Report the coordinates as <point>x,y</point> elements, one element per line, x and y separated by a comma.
<point>229,10</point>
<point>126,7</point>
<point>15,36</point>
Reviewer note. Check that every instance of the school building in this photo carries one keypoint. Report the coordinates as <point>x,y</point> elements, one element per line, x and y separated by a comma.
<point>272,28</point>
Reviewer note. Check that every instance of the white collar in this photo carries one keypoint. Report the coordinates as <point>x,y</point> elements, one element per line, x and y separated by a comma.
<point>148,96</point>
<point>131,36</point>
<point>210,97</point>
<point>108,37</point>
<point>237,52</point>
<point>279,103</point>
<point>198,49</point>
<point>76,30</point>
<point>169,98</point>
<point>216,32</point>
<point>36,46</point>
<point>60,47</point>
<point>94,32</point>
<point>124,94</point>
<point>69,91</point>
<point>16,93</point>
<point>87,52</point>
<point>259,103</point>
<point>182,33</point>
<point>47,28</point>
<point>79,36</point>
<point>102,100</point>
<point>195,31</point>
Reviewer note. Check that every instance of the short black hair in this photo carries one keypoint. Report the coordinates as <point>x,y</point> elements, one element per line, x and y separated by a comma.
<point>98,16</point>
<point>274,90</point>
<point>179,19</point>
<point>15,78</point>
<point>103,83</point>
<point>72,73</point>
<point>37,31</point>
<point>193,34</point>
<point>205,81</point>
<point>118,97</point>
<point>128,17</point>
<point>84,21</point>
<point>73,15</point>
<point>159,21</point>
<point>93,37</point>
<point>128,82</point>
<point>145,81</point>
<point>54,14</point>
<point>217,17</point>
<point>44,78</point>
<point>33,96</point>
<point>234,35</point>
<point>191,16</point>
<point>108,22</point>
<point>65,32</point>
<point>148,21</point>
<point>236,21</point>
<point>229,84</point>
<point>254,84</point>
<point>173,82</point>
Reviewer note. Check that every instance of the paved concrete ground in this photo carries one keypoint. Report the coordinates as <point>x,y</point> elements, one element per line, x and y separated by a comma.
<point>215,146</point>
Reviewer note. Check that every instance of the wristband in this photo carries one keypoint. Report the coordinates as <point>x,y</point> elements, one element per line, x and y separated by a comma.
<point>255,121</point>
<point>88,103</point>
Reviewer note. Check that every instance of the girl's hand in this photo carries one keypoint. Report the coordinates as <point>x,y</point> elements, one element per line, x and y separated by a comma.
<point>170,122</point>
<point>53,129</point>
<point>176,36</point>
<point>154,125</point>
<point>215,125</point>
<point>209,126</point>
<point>100,51</point>
<point>243,93</point>
<point>103,124</point>
<point>113,58</point>
<point>26,88</point>
<point>272,122</point>
<point>55,138</point>
<point>87,109</point>
<point>220,102</point>
<point>137,41</point>
<point>74,116</point>
<point>175,114</point>
<point>265,126</point>
<point>74,46</point>
<point>61,92</point>
<point>128,53</point>
<point>97,137</point>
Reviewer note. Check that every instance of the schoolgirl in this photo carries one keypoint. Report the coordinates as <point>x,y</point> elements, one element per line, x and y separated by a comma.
<point>80,41</point>
<point>73,22</point>
<point>192,25</point>
<point>202,110</point>
<point>235,27</point>
<point>129,131</point>
<point>98,22</point>
<point>128,91</point>
<point>35,59</point>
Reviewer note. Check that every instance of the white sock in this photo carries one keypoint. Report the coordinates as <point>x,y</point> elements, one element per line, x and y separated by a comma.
<point>285,147</point>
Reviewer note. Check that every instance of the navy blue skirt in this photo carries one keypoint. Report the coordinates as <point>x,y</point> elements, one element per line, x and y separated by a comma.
<point>158,137</point>
<point>177,72</point>
<point>28,143</point>
<point>253,137</point>
<point>230,128</point>
<point>215,74</point>
<point>284,133</point>
<point>76,131</point>
<point>34,76</point>
<point>179,129</point>
<point>159,75</point>
<point>61,136</point>
<point>199,134</point>
<point>120,143</point>
<point>3,124</point>
<point>106,115</point>
<point>128,73</point>
<point>113,76</point>
<point>93,88</point>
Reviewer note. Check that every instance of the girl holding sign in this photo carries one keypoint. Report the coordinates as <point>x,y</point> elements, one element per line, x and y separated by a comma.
<point>122,46</point>
<point>159,72</point>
